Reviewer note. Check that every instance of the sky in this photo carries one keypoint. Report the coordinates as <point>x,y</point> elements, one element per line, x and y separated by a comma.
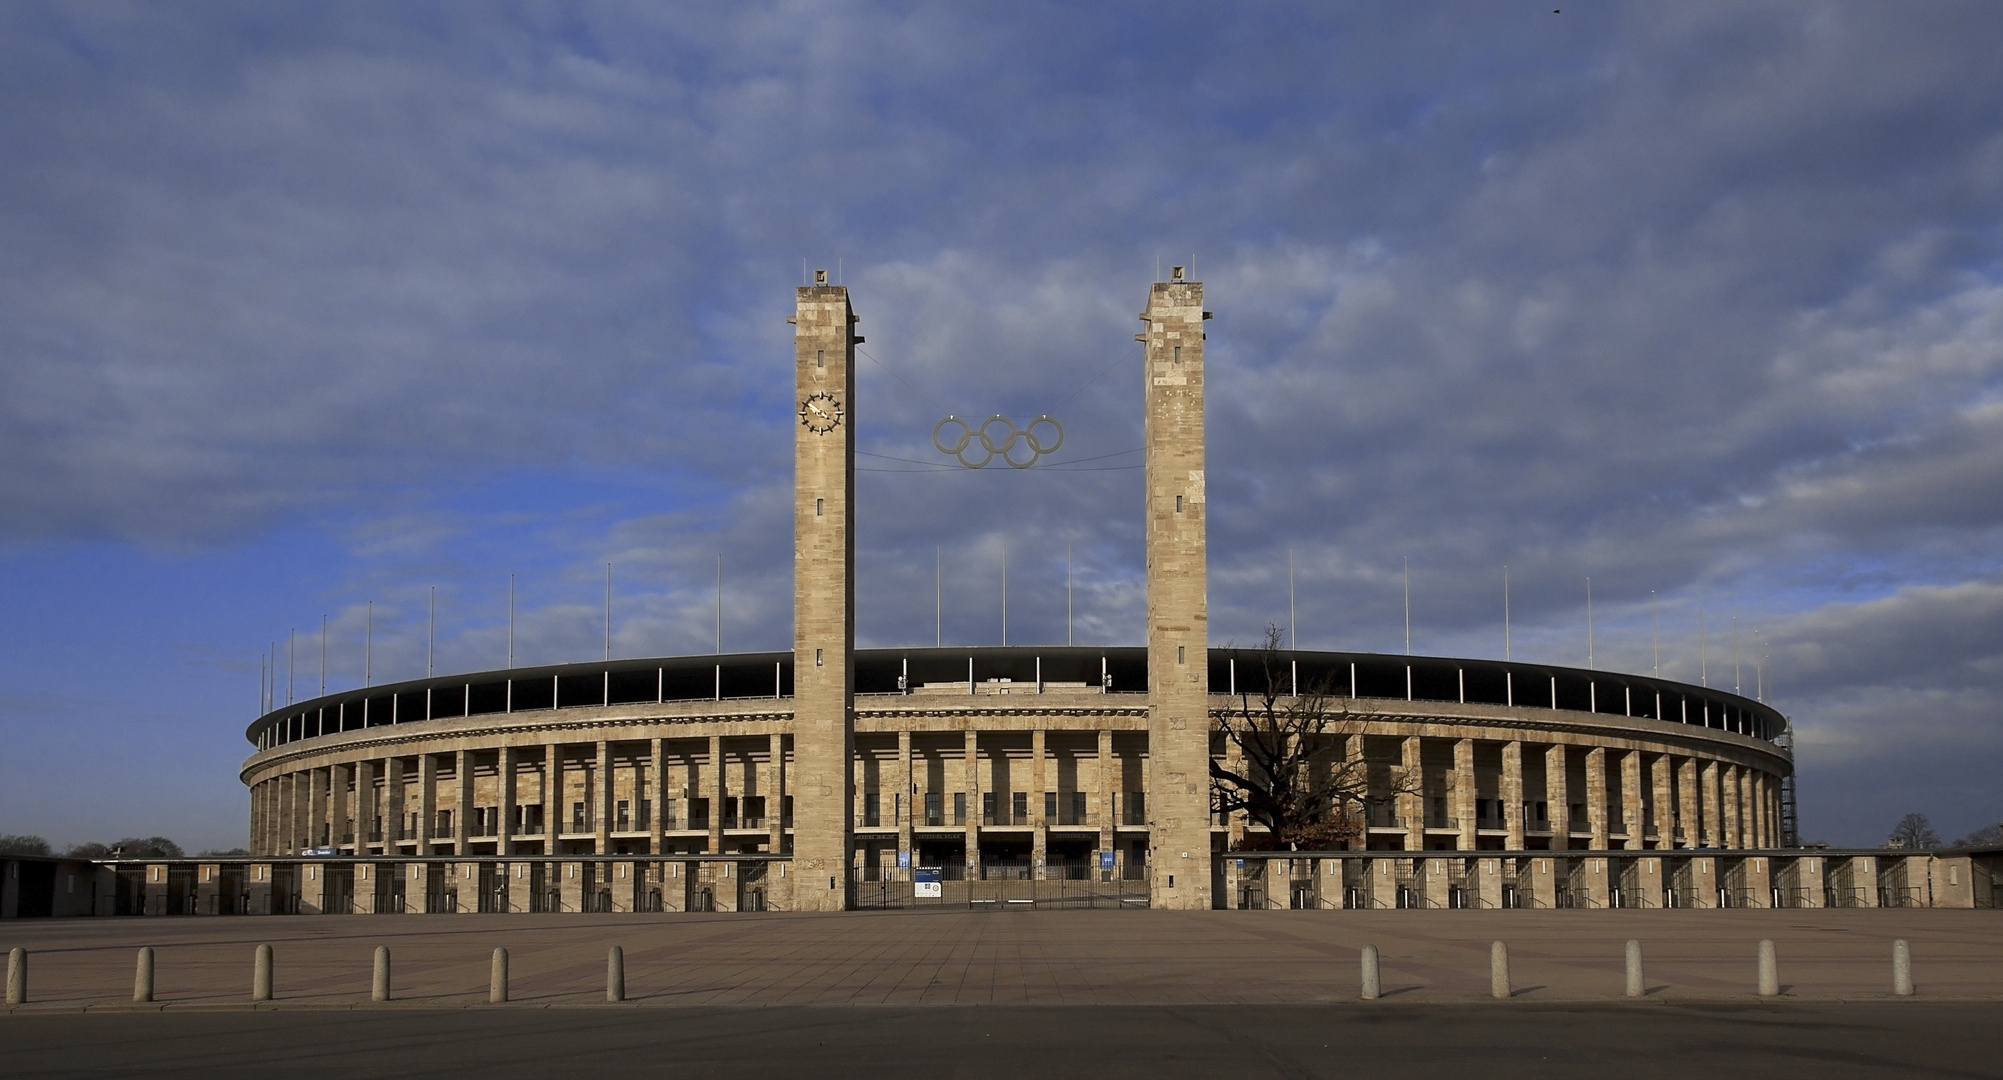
<point>345,314</point>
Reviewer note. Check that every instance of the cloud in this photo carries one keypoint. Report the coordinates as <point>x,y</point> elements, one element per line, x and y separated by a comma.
<point>1701,302</point>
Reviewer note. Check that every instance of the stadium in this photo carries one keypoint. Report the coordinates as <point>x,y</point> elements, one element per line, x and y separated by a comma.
<point>827,778</point>
<point>991,764</point>
<point>912,773</point>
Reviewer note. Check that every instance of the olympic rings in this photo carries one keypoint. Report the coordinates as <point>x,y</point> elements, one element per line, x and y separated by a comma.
<point>990,450</point>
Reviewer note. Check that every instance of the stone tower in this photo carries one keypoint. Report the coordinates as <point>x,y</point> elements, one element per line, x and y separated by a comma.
<point>823,596</point>
<point>1178,605</point>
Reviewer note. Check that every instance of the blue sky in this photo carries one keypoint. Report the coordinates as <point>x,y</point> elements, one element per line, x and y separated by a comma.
<point>313,308</point>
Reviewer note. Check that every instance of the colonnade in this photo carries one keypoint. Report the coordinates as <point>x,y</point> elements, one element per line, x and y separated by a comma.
<point>1466,793</point>
<point>1006,793</point>
<point>609,796</point>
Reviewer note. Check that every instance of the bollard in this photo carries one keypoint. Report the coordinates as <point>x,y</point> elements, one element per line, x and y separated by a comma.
<point>142,976</point>
<point>1769,969</point>
<point>17,977</point>
<point>260,983</point>
<point>497,980</point>
<point>615,974</point>
<point>380,991</point>
<point>1372,986</point>
<point>1635,986</point>
<point>1902,968</point>
<point>1498,971</point>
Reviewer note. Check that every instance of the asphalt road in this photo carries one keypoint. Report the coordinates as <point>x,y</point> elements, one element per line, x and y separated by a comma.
<point>1493,1041</point>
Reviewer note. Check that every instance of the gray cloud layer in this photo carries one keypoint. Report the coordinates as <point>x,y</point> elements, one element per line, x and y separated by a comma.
<point>1697,299</point>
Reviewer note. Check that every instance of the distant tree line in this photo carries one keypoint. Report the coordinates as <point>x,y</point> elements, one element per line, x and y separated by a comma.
<point>132,847</point>
<point>1915,833</point>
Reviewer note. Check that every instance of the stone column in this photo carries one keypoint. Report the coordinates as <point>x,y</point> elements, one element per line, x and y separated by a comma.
<point>1178,623</point>
<point>340,824</point>
<point>1464,791</point>
<point>907,786</point>
<point>337,804</point>
<point>1596,797</point>
<point>316,802</point>
<point>1763,815</point>
<point>283,836</point>
<point>368,809</point>
<point>505,842</point>
<point>393,808</point>
<point>775,793</point>
<point>1108,808</point>
<point>1487,883</point>
<point>1543,882</point>
<point>1633,819</point>
<point>553,810</point>
<point>1704,881</point>
<point>427,804</point>
<point>1809,881</point>
<point>1512,794</point>
<point>1863,878</point>
<point>1433,881</point>
<point>1558,796</point>
<point>1689,802</point>
<point>1750,815</point>
<point>716,794</point>
<point>972,782</point>
<point>1759,881</point>
<point>1705,826</point>
<point>1661,769</point>
<point>311,890</point>
<point>657,766</point>
<point>1598,888</point>
<point>570,886</point>
<point>1650,878</point>
<point>1757,798</point>
<point>1412,805</point>
<point>288,825</point>
<point>1383,882</point>
<point>259,820</point>
<point>1749,809</point>
<point>1039,839</point>
<point>273,832</point>
<point>607,793</point>
<point>823,595</point>
<point>1731,806</point>
<point>1728,804</point>
<point>305,834</point>
<point>363,882</point>
<point>462,816</point>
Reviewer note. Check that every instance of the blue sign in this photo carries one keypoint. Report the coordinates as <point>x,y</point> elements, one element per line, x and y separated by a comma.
<point>903,860</point>
<point>1105,860</point>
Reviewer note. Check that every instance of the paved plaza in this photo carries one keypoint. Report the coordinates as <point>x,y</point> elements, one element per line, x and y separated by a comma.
<point>1826,1041</point>
<point>950,957</point>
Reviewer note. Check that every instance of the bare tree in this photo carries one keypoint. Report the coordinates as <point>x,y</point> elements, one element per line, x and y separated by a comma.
<point>132,847</point>
<point>1913,833</point>
<point>1986,836</point>
<point>23,844</point>
<point>1290,773</point>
